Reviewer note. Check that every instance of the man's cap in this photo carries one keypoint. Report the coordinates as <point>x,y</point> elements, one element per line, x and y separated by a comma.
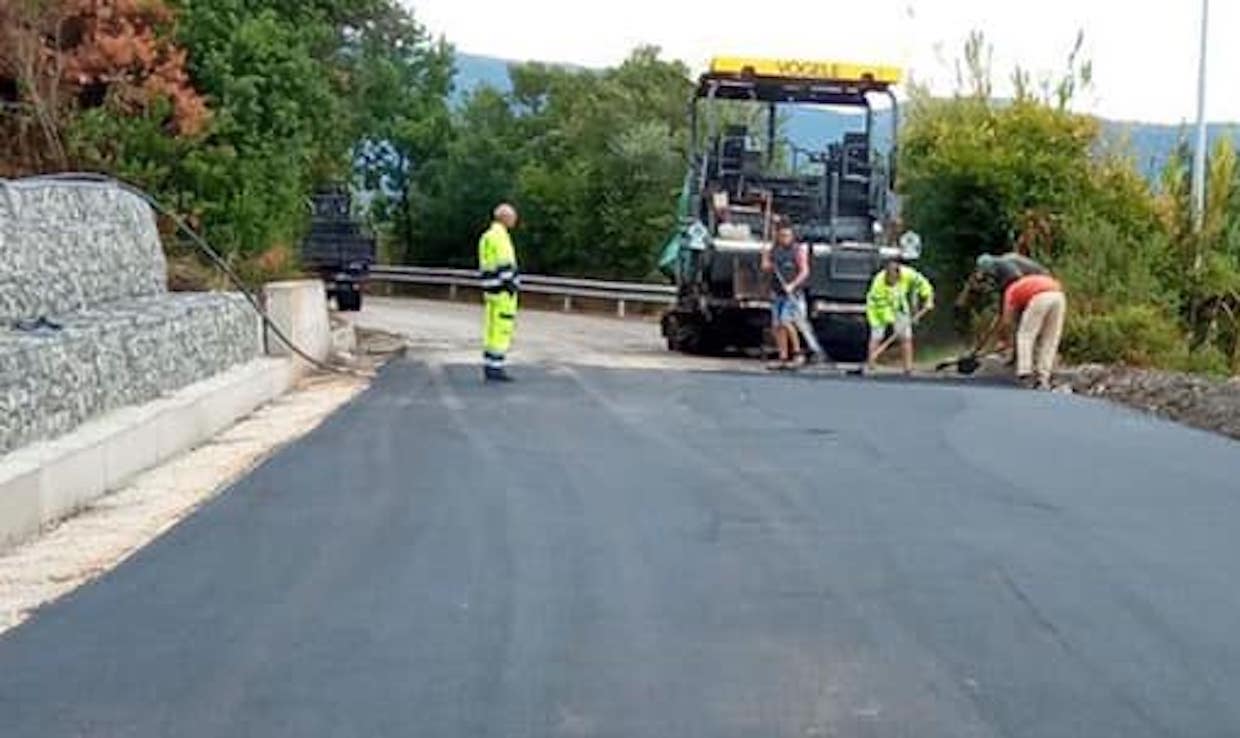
<point>985,262</point>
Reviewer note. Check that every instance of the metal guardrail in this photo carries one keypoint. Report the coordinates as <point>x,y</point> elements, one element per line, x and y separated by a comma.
<point>567,288</point>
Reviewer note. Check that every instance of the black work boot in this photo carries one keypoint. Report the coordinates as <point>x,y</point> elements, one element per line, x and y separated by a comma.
<point>496,374</point>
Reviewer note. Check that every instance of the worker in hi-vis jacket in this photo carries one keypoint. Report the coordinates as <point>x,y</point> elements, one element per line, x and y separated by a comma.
<point>497,261</point>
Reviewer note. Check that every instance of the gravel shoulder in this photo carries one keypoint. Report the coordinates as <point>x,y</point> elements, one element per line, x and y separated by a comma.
<point>1202,402</point>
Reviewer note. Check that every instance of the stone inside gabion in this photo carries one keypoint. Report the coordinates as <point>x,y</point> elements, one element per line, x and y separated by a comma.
<point>87,324</point>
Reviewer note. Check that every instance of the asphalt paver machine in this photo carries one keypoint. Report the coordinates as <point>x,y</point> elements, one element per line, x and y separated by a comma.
<point>836,190</point>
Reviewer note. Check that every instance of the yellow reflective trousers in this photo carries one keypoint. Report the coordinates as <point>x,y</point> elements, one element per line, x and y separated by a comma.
<point>497,263</point>
<point>498,321</point>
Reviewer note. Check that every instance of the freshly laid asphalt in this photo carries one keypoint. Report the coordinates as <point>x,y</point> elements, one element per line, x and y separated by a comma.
<point>594,552</point>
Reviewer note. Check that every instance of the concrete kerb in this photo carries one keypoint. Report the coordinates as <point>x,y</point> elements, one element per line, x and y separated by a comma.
<point>21,505</point>
<point>47,481</point>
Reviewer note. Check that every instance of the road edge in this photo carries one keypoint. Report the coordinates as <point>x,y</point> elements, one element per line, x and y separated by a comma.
<point>108,530</point>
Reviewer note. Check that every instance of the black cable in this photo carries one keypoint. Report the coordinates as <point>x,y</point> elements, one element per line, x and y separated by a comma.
<point>207,249</point>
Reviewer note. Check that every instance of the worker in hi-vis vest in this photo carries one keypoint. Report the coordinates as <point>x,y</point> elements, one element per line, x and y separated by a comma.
<point>497,260</point>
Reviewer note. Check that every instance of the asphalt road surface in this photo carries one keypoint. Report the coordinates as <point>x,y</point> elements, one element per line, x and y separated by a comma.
<point>639,553</point>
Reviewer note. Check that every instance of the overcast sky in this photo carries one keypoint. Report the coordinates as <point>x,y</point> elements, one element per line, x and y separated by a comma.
<point>1144,51</point>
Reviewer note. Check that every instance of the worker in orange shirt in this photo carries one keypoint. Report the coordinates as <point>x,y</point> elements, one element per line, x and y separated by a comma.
<point>1035,306</point>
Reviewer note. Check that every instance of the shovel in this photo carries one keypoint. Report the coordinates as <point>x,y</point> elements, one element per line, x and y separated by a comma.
<point>966,365</point>
<point>882,347</point>
<point>801,321</point>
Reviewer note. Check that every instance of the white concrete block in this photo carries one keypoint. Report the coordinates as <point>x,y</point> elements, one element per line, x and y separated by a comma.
<point>243,391</point>
<point>344,339</point>
<point>177,429</point>
<point>299,309</point>
<point>21,512</point>
<point>131,449</point>
<point>281,376</point>
<point>72,475</point>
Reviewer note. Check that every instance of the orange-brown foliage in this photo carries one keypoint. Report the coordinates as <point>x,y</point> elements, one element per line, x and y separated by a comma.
<point>121,45</point>
<point>57,56</point>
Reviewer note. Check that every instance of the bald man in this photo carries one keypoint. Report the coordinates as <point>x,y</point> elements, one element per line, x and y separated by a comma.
<point>497,261</point>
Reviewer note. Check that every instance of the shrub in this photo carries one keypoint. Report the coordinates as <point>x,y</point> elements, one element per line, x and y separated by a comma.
<point>1105,264</point>
<point>1136,335</point>
<point>1145,287</point>
<point>1206,360</point>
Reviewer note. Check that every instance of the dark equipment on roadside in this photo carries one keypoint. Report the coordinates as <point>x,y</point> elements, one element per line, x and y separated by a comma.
<point>838,195</point>
<point>966,365</point>
<point>337,248</point>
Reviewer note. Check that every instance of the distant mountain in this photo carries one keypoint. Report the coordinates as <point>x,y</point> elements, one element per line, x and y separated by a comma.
<point>474,71</point>
<point>1150,143</point>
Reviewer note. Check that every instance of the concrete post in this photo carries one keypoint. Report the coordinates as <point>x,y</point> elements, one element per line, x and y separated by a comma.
<point>299,309</point>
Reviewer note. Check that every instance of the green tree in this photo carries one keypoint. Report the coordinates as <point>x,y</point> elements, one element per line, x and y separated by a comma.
<point>231,111</point>
<point>593,159</point>
<point>981,175</point>
<point>454,193</point>
<point>400,81</point>
<point>976,171</point>
<point>1205,264</point>
<point>1145,286</point>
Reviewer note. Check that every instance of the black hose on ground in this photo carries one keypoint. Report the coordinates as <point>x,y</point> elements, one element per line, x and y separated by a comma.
<point>217,260</point>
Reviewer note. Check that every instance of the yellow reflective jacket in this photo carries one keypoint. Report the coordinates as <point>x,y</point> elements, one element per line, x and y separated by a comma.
<point>884,301</point>
<point>495,249</point>
<point>497,259</point>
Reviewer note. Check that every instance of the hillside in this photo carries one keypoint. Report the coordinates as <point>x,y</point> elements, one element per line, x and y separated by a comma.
<point>1150,143</point>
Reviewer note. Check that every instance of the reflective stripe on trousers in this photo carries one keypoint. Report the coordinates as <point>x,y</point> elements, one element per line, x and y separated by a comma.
<point>499,322</point>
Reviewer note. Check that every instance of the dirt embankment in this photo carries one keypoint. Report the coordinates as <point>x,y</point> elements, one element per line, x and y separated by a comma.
<point>1210,404</point>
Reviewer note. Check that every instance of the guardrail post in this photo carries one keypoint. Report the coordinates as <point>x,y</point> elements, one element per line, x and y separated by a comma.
<point>452,292</point>
<point>568,303</point>
<point>620,308</point>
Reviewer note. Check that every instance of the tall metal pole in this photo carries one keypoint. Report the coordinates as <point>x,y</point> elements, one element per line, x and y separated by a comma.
<point>1199,159</point>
